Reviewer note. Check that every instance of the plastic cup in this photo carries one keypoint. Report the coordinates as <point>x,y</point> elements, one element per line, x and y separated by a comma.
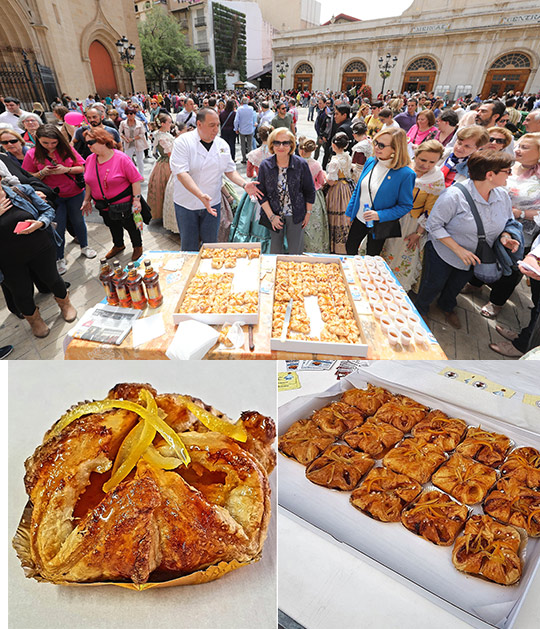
<point>386,322</point>
<point>400,321</point>
<point>370,290</point>
<point>392,310</point>
<point>405,308</point>
<point>387,299</point>
<point>383,289</point>
<point>406,337</point>
<point>393,335</point>
<point>413,321</point>
<point>378,310</point>
<point>420,337</point>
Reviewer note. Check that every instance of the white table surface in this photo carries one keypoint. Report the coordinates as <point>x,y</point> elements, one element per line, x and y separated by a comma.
<point>321,585</point>
<point>39,392</point>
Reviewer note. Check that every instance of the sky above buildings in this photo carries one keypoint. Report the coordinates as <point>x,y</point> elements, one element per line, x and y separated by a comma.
<point>361,9</point>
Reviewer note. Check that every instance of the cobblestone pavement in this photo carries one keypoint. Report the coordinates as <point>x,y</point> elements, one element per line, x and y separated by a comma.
<point>471,342</point>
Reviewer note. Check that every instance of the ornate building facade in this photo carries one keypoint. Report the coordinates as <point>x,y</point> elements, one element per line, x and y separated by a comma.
<point>454,48</point>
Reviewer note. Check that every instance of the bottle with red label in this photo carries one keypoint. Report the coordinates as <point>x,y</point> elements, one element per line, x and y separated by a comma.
<point>120,283</point>
<point>106,278</point>
<point>136,287</point>
<point>153,289</point>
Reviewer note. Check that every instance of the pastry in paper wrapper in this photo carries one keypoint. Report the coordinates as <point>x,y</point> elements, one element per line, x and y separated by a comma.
<point>304,441</point>
<point>374,438</point>
<point>368,400</point>
<point>415,458</point>
<point>108,507</point>
<point>490,550</point>
<point>440,429</point>
<point>337,417</point>
<point>484,446</point>
<point>402,412</point>
<point>339,467</point>
<point>523,464</point>
<point>513,503</point>
<point>465,479</point>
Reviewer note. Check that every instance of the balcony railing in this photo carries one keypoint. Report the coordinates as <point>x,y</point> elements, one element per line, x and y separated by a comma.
<point>202,46</point>
<point>200,21</point>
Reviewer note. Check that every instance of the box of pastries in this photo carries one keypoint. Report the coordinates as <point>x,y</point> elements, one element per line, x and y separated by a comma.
<point>223,285</point>
<point>313,309</point>
<point>421,479</point>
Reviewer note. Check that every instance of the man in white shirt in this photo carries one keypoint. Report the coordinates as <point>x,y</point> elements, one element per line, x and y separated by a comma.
<point>188,115</point>
<point>199,159</point>
<point>13,112</point>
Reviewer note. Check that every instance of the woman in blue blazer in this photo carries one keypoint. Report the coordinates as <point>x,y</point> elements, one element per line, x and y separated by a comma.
<point>386,186</point>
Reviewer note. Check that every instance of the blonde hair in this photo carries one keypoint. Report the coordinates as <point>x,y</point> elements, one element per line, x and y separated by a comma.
<point>504,132</point>
<point>429,146</point>
<point>400,156</point>
<point>13,133</point>
<point>476,132</point>
<point>290,136</point>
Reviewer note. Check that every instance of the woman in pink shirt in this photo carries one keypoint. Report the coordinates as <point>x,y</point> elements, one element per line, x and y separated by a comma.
<point>56,163</point>
<point>423,130</point>
<point>316,233</point>
<point>112,179</point>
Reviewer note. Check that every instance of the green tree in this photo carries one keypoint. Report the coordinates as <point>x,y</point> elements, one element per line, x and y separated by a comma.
<point>164,49</point>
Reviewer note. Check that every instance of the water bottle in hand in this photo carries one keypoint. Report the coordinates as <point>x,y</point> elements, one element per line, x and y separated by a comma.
<point>137,218</point>
<point>366,209</point>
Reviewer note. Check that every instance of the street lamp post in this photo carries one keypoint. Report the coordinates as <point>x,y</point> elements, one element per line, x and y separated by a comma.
<point>282,67</point>
<point>385,65</point>
<point>127,54</point>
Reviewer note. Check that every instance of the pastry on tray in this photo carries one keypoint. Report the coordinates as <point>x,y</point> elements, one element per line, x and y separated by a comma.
<point>402,412</point>
<point>415,458</point>
<point>304,441</point>
<point>337,417</point>
<point>465,479</point>
<point>383,494</point>
<point>513,503</point>
<point>339,467</point>
<point>374,438</point>
<point>440,429</point>
<point>142,487</point>
<point>435,517</point>
<point>489,549</point>
<point>524,465</point>
<point>367,400</point>
<point>484,446</point>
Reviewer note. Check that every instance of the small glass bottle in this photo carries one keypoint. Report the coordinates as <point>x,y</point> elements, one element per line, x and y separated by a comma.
<point>153,289</point>
<point>136,287</point>
<point>106,278</point>
<point>120,282</point>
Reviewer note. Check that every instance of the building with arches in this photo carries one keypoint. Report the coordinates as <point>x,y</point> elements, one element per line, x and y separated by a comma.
<point>452,48</point>
<point>48,47</point>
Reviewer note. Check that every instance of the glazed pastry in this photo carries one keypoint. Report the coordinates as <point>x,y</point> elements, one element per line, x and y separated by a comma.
<point>484,446</point>
<point>337,417</point>
<point>465,479</point>
<point>523,464</point>
<point>113,500</point>
<point>415,458</point>
<point>339,467</point>
<point>304,441</point>
<point>440,429</point>
<point>383,494</point>
<point>512,503</point>
<point>490,550</point>
<point>402,412</point>
<point>435,517</point>
<point>374,438</point>
<point>368,400</point>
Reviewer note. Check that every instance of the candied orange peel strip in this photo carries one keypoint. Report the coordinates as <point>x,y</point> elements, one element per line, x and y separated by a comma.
<point>213,423</point>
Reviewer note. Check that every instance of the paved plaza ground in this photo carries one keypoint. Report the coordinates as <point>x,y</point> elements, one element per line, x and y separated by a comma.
<point>469,343</point>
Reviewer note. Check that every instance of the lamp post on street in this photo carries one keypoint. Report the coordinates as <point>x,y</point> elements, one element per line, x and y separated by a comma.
<point>282,67</point>
<point>385,65</point>
<point>127,54</point>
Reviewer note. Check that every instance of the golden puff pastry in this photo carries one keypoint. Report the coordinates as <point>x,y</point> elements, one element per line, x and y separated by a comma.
<point>339,467</point>
<point>304,441</point>
<point>383,494</point>
<point>512,503</point>
<point>465,479</point>
<point>402,412</point>
<point>523,464</point>
<point>440,429</point>
<point>367,400</point>
<point>489,549</point>
<point>484,446</point>
<point>374,438</point>
<point>435,517</point>
<point>415,458</point>
<point>337,417</point>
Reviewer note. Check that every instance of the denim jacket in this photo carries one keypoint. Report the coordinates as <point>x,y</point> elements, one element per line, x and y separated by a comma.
<point>299,182</point>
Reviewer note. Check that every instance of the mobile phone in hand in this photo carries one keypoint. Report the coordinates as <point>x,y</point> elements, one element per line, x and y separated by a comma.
<point>21,226</point>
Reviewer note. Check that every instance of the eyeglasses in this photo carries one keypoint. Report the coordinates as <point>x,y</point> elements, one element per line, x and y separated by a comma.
<point>284,143</point>
<point>90,142</point>
<point>4,142</point>
<point>131,113</point>
<point>380,145</point>
<point>507,171</point>
<point>497,140</point>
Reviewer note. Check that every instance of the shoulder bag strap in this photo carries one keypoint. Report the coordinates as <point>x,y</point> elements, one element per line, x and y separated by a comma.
<point>474,210</point>
<point>99,182</point>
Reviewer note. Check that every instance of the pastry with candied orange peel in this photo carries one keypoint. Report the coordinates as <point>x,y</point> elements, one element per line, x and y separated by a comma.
<point>513,503</point>
<point>367,400</point>
<point>484,446</point>
<point>465,479</point>
<point>524,465</point>
<point>337,417</point>
<point>304,441</point>
<point>440,429</point>
<point>374,438</point>
<point>402,412</point>
<point>415,458</point>
<point>339,467</point>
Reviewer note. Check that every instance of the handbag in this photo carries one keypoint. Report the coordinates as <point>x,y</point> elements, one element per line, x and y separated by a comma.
<point>489,270</point>
<point>79,180</point>
<point>386,229</point>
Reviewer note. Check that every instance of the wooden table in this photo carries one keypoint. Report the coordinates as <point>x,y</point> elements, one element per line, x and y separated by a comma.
<point>172,284</point>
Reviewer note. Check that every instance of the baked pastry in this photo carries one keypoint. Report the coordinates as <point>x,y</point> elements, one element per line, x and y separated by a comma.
<point>484,446</point>
<point>304,441</point>
<point>123,490</point>
<point>402,412</point>
<point>440,429</point>
<point>435,517</point>
<point>337,417</point>
<point>490,550</point>
<point>374,438</point>
<point>383,494</point>
<point>339,467</point>
<point>465,479</point>
<point>523,464</point>
<point>513,503</point>
<point>415,458</point>
<point>367,400</point>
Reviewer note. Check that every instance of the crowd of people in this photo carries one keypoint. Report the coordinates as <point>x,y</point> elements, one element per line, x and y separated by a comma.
<point>448,193</point>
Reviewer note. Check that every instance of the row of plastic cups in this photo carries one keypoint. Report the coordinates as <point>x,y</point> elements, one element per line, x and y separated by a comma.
<point>403,334</point>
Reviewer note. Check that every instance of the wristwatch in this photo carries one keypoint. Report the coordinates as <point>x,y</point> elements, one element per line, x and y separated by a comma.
<point>136,196</point>
<point>522,215</point>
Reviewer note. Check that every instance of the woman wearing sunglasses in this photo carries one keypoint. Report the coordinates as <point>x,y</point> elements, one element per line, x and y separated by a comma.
<point>288,191</point>
<point>13,143</point>
<point>499,139</point>
<point>386,186</point>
